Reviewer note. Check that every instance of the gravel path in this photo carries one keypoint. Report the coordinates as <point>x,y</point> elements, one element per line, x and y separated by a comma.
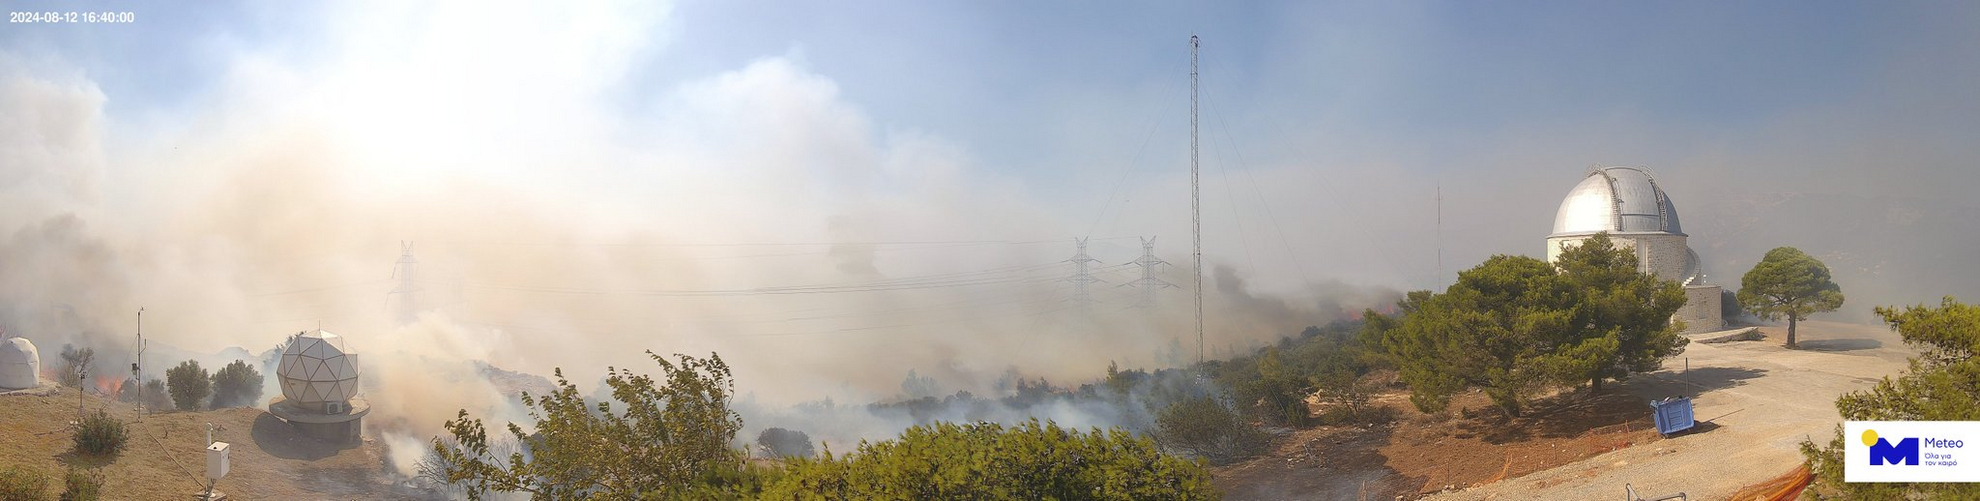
<point>1756,402</point>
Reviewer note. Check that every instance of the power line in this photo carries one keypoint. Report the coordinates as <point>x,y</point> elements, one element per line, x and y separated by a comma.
<point>898,326</point>
<point>1154,124</point>
<point>961,280</point>
<point>1298,264</point>
<point>1385,251</point>
<point>1224,172</point>
<point>316,289</point>
<point>944,321</point>
<point>757,244</point>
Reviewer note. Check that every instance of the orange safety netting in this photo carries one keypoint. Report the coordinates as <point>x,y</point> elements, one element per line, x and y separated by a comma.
<point>1781,488</point>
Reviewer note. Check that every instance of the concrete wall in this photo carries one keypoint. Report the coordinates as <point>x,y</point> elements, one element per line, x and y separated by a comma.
<point>1701,312</point>
<point>348,432</point>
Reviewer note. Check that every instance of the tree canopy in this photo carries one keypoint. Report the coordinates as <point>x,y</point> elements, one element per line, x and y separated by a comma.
<point>190,385</point>
<point>669,439</point>
<point>1942,384</point>
<point>1485,331</point>
<point>779,442</point>
<point>1622,315</point>
<point>236,385</point>
<point>1514,323</point>
<point>1789,283</point>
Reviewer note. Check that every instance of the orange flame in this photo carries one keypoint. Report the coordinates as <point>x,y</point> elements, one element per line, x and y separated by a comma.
<point>109,386</point>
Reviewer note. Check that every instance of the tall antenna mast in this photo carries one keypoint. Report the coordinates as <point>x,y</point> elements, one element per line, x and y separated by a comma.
<point>1440,234</point>
<point>408,310</point>
<point>137,368</point>
<point>1195,201</point>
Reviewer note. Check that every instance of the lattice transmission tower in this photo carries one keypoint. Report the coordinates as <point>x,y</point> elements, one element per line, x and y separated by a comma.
<point>1148,282</point>
<point>1082,275</point>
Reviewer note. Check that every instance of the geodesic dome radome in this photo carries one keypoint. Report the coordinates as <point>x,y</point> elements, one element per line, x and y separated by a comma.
<point>20,364</point>
<point>316,368</point>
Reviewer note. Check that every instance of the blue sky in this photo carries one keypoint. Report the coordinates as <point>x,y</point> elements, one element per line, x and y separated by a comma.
<point>1057,97</point>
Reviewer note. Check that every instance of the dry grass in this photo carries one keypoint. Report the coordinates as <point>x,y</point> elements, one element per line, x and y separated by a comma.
<point>165,457</point>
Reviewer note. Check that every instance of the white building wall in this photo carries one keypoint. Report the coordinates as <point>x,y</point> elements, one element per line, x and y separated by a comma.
<point>1701,312</point>
<point>1662,254</point>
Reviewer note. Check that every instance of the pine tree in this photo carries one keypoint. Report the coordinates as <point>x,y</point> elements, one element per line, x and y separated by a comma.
<point>1789,283</point>
<point>1943,384</point>
<point>1622,316</point>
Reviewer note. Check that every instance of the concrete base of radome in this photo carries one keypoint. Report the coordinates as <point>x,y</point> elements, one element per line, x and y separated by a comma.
<point>340,428</point>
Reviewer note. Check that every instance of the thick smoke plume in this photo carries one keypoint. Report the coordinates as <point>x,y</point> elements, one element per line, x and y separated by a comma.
<point>576,190</point>
<point>752,213</point>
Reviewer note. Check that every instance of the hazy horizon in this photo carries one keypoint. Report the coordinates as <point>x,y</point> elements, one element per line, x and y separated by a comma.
<point>832,194</point>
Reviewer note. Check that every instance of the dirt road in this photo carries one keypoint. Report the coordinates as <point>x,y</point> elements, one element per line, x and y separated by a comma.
<point>1756,402</point>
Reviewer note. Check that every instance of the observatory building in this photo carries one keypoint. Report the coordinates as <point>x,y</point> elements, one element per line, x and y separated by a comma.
<point>20,364</point>
<point>319,378</point>
<point>1627,203</point>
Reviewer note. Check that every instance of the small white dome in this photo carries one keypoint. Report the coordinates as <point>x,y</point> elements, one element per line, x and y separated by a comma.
<point>1616,200</point>
<point>20,364</point>
<point>316,368</point>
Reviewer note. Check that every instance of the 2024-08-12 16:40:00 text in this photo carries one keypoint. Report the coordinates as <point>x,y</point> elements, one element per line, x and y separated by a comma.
<point>91,17</point>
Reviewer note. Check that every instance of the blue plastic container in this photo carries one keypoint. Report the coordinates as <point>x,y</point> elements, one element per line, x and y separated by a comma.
<point>1672,414</point>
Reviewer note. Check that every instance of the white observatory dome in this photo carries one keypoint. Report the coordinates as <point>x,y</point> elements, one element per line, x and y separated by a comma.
<point>317,368</point>
<point>1616,200</point>
<point>20,364</point>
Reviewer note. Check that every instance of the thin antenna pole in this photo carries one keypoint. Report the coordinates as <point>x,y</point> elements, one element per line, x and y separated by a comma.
<point>137,367</point>
<point>1195,200</point>
<point>1440,233</point>
<point>408,310</point>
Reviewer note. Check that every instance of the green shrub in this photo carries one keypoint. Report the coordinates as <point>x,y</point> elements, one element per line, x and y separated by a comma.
<point>190,385</point>
<point>662,437</point>
<point>131,391</point>
<point>780,442</point>
<point>74,362</point>
<point>155,396</point>
<point>1205,427</point>
<point>150,393</point>
<point>236,385</point>
<point>989,461</point>
<point>20,483</point>
<point>81,485</point>
<point>100,434</point>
